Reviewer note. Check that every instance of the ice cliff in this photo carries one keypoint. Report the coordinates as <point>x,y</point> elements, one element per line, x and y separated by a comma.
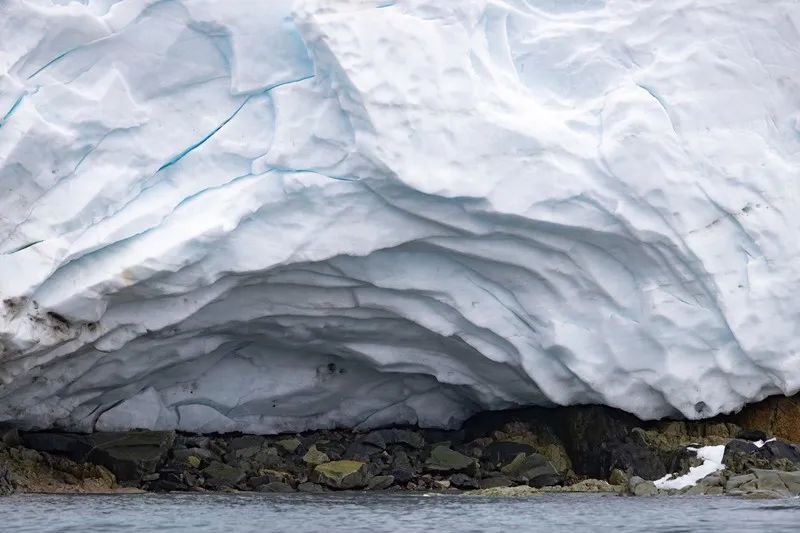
<point>265,215</point>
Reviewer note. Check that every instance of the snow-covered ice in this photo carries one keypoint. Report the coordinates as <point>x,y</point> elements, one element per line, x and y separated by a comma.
<point>712,462</point>
<point>272,215</point>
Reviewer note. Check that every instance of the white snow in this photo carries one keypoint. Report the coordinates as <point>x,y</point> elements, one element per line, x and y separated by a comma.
<point>275,215</point>
<point>712,462</point>
<point>760,443</point>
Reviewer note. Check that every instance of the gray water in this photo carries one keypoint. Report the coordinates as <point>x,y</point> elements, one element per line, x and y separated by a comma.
<point>391,512</point>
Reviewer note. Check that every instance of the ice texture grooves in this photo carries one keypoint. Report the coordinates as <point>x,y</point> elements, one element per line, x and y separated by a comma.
<point>273,216</point>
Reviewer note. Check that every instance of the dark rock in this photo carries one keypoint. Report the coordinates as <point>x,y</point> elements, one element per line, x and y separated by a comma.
<point>9,435</point>
<point>446,460</point>
<point>505,452</point>
<point>275,486</point>
<point>130,455</point>
<point>166,485</point>
<point>402,468</point>
<point>220,475</point>
<point>741,455</point>
<point>6,485</point>
<point>246,442</point>
<point>310,487</point>
<point>380,482</point>
<point>751,434</point>
<point>494,482</point>
<point>463,481</point>
<point>200,453</point>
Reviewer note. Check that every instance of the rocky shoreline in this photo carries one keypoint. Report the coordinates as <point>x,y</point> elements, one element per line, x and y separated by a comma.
<point>510,453</point>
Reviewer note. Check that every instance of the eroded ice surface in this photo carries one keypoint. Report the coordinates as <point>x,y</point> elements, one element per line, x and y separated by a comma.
<point>266,215</point>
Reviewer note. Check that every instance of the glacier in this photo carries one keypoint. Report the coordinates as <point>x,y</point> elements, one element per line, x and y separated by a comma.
<point>267,216</point>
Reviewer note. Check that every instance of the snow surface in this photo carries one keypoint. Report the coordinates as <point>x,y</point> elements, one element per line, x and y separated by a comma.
<point>267,216</point>
<point>712,462</point>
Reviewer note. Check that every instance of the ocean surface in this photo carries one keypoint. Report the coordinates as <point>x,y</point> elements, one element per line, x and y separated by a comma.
<point>391,512</point>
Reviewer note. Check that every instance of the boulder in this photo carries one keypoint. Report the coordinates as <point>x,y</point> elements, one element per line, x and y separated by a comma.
<point>275,486</point>
<point>741,455</point>
<point>640,487</point>
<point>220,475</point>
<point>464,482</point>
<point>341,474</point>
<point>402,468</point>
<point>534,470</point>
<point>309,487</point>
<point>289,445</point>
<point>380,482</point>
<point>446,460</point>
<point>315,457</point>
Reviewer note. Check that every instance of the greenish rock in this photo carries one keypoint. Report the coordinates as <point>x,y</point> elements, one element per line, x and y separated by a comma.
<point>380,482</point>
<point>315,457</point>
<point>515,465</point>
<point>446,460</point>
<point>290,445</point>
<point>618,477</point>
<point>219,475</point>
<point>193,461</point>
<point>533,469</point>
<point>341,474</point>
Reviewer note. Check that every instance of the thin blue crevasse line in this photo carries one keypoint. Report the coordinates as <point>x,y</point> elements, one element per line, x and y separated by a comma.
<point>213,132</point>
<point>13,108</point>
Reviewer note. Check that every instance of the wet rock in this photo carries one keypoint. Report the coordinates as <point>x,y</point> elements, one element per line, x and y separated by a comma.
<point>315,457</point>
<point>446,460</point>
<point>380,482</point>
<point>463,481</point>
<point>341,474</point>
<point>310,487</point>
<point>640,487</point>
<point>275,486</point>
<point>494,482</point>
<point>219,475</point>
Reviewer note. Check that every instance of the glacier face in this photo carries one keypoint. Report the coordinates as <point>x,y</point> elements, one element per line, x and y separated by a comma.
<point>272,215</point>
